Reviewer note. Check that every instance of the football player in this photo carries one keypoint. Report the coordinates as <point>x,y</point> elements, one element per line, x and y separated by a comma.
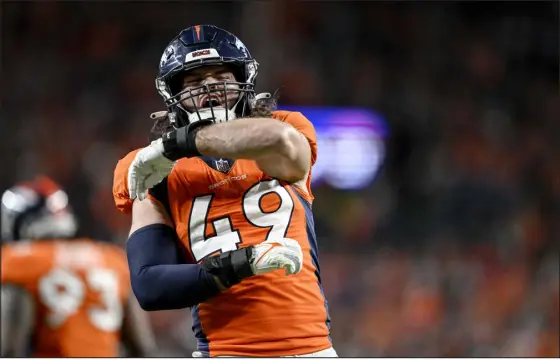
<point>228,229</point>
<point>61,296</point>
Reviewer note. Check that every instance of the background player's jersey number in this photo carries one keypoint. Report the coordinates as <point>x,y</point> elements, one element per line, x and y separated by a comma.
<point>226,238</point>
<point>63,292</point>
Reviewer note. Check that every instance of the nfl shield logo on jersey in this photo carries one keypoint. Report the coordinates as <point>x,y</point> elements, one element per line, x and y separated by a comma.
<point>222,165</point>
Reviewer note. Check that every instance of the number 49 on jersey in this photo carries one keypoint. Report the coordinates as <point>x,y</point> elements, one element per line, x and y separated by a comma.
<point>226,238</point>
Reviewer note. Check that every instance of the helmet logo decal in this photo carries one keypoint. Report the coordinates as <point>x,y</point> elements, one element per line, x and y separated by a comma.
<point>197,29</point>
<point>200,53</point>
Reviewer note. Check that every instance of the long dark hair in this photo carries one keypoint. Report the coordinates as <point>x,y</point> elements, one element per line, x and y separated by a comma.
<point>263,108</point>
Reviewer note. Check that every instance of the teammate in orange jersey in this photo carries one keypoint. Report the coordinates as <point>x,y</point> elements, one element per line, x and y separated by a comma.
<point>231,207</point>
<point>62,297</point>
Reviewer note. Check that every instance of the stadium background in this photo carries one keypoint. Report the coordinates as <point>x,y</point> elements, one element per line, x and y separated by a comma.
<point>450,250</point>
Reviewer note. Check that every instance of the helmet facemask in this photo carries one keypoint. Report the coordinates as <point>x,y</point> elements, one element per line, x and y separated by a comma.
<point>44,225</point>
<point>211,101</point>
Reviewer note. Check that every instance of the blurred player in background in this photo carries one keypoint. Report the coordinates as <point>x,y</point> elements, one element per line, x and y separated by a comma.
<point>232,205</point>
<point>61,296</point>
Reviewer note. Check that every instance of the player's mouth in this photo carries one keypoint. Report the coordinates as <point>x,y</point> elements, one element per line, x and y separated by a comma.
<point>210,101</point>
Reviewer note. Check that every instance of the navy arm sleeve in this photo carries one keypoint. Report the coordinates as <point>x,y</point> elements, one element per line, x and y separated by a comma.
<point>159,281</point>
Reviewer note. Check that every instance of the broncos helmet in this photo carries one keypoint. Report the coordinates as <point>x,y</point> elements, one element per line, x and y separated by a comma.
<point>205,45</point>
<point>37,209</point>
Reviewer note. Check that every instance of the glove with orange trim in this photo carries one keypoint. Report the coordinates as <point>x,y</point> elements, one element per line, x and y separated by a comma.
<point>272,255</point>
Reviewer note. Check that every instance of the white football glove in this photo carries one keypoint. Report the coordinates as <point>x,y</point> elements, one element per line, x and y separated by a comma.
<point>277,254</point>
<point>148,169</point>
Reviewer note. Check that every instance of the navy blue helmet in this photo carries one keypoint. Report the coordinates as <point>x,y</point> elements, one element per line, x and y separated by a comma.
<point>206,45</point>
<point>37,209</point>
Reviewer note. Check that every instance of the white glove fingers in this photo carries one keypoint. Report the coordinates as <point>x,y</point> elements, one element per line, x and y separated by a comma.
<point>132,181</point>
<point>148,168</point>
<point>278,254</point>
<point>295,265</point>
<point>152,180</point>
<point>136,181</point>
<point>141,187</point>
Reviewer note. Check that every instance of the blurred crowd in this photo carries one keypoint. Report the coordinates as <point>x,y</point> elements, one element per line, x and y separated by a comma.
<point>453,250</point>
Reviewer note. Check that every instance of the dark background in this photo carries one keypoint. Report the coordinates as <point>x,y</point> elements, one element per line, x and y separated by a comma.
<point>451,251</point>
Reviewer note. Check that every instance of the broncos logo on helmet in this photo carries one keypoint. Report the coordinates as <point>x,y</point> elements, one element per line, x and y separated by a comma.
<point>38,209</point>
<point>207,45</point>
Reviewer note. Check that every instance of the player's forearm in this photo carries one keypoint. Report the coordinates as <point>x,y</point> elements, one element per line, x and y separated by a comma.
<point>168,287</point>
<point>249,138</point>
<point>158,281</point>
<point>280,150</point>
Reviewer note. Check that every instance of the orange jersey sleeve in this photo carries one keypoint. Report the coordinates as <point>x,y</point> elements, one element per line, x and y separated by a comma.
<point>304,126</point>
<point>120,183</point>
<point>23,263</point>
